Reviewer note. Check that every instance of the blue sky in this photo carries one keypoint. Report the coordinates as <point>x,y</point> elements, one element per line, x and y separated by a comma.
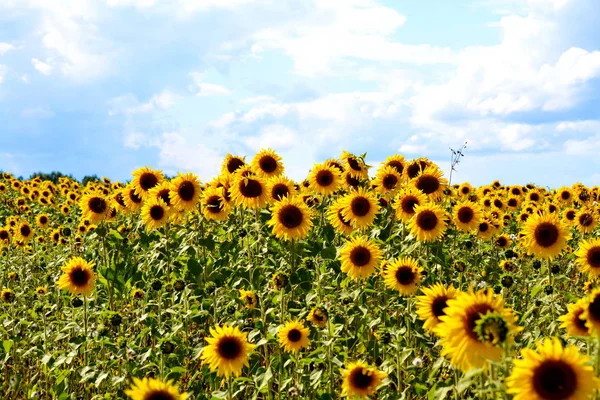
<point>107,86</point>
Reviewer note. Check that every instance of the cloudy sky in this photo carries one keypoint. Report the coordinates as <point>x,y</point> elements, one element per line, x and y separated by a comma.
<point>107,86</point>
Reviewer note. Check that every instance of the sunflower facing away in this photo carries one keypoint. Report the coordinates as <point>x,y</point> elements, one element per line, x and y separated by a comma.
<point>185,192</point>
<point>428,224</point>
<point>360,208</point>
<point>432,304</point>
<point>154,389</point>
<point>360,257</point>
<point>290,219</point>
<point>293,336</point>
<point>475,328</point>
<point>227,351</point>
<point>361,380</point>
<point>78,277</point>
<point>324,179</point>
<point>267,163</point>
<point>552,372</point>
<point>403,275</point>
<point>545,235</point>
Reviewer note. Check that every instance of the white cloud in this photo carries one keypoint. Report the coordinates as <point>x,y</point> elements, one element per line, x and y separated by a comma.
<point>42,67</point>
<point>278,137</point>
<point>205,89</point>
<point>178,152</point>
<point>128,104</point>
<point>5,48</point>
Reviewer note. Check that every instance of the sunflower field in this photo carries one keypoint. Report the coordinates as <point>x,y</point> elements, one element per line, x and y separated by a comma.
<point>392,283</point>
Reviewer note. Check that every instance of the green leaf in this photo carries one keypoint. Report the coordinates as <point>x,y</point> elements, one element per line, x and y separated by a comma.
<point>7,344</point>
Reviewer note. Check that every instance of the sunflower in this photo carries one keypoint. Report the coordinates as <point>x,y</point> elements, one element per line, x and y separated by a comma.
<point>569,215</point>
<point>133,202</point>
<point>414,167</point>
<point>337,220</point>
<point>354,165</point>
<point>318,317</point>
<point>588,257</point>
<point>161,191</point>
<point>361,380</point>
<point>397,162</point>
<point>406,201</point>
<point>24,232</point>
<point>360,257</point>
<point>5,236</point>
<point>227,351</point>
<point>432,304</point>
<point>430,182</point>
<point>545,235</point>
<point>586,220</point>
<point>290,219</point>
<point>293,336</point>
<point>573,320</point>
<point>214,205</point>
<point>78,277</point>
<point>42,291</point>
<point>145,179</point>
<point>467,216</point>
<point>465,190</point>
<point>232,163</point>
<point>94,207</point>
<point>350,182</point>
<point>502,241</point>
<point>154,389</point>
<point>403,275</point>
<point>428,223</point>
<point>7,295</point>
<point>155,213</point>
<point>42,220</point>
<point>324,179</point>
<point>267,163</point>
<point>279,187</point>
<point>387,180</point>
<point>249,192</point>
<point>475,328</point>
<point>249,298</point>
<point>360,208</point>
<point>185,192</point>
<point>552,372</point>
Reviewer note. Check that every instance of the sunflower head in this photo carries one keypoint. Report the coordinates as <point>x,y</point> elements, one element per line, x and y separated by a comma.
<point>227,351</point>
<point>249,191</point>
<point>428,223</point>
<point>360,208</point>
<point>7,295</point>
<point>325,179</point>
<point>432,304</point>
<point>545,235</point>
<point>232,163</point>
<point>403,275</point>
<point>185,192</point>
<point>145,179</point>
<point>78,276</point>
<point>318,316</point>
<point>430,182</point>
<point>293,336</point>
<point>360,257</point>
<point>361,380</point>
<point>154,389</point>
<point>267,163</point>
<point>291,219</point>
<point>155,213</point>
<point>279,187</point>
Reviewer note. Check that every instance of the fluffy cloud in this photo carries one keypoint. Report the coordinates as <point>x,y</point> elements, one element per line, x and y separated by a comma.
<point>5,48</point>
<point>42,67</point>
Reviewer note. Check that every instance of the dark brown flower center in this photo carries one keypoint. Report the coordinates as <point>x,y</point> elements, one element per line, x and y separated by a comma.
<point>534,196</point>
<point>119,199</point>
<point>546,234</point>
<point>570,215</point>
<point>554,380</point>
<point>585,219</point>
<point>397,165</point>
<point>501,241</point>
<point>484,227</point>
<point>351,181</point>
<point>294,335</point>
<point>360,256</point>
<point>97,205</point>
<point>594,309</point>
<point>405,275</point>
<point>512,202</point>
<point>342,219</point>
<point>279,191</point>
<point>186,190</point>
<point>593,257</point>
<point>465,214</point>
<point>268,164</point>
<point>498,203</point>
<point>157,212</point>
<point>413,170</point>
<point>229,347</point>
<point>360,206</point>
<point>354,164</point>
<point>159,395</point>
<point>25,230</point>
<point>3,235</point>
<point>324,178</point>
<point>428,184</point>
<point>134,197</point>
<point>163,194</point>
<point>360,380</point>
<point>214,204</point>
<point>580,323</point>
<point>565,195</point>
<point>148,180</point>
<point>408,204</point>
<point>250,188</point>
<point>234,163</point>
<point>389,181</point>
<point>79,276</point>
<point>290,216</point>
<point>438,305</point>
<point>427,220</point>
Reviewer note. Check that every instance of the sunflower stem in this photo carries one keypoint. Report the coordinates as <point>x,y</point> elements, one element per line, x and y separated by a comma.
<point>85,327</point>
